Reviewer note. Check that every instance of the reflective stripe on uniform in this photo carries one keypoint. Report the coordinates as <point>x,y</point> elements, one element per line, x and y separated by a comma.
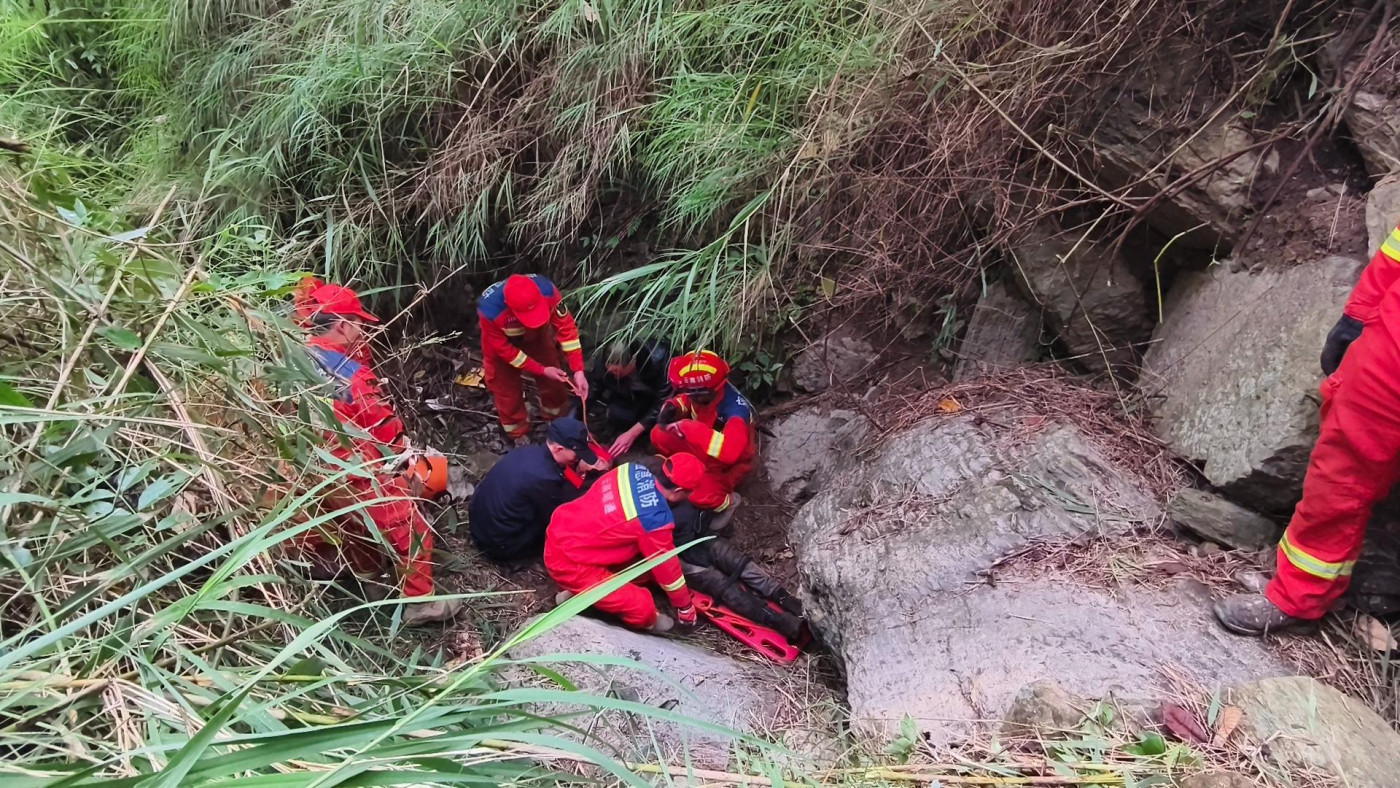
<point>519,360</point>
<point>624,491</point>
<point>676,586</point>
<point>1391,247</point>
<point>516,429</point>
<point>571,345</point>
<point>1326,570</point>
<point>513,332</point>
<point>716,443</point>
<point>551,412</point>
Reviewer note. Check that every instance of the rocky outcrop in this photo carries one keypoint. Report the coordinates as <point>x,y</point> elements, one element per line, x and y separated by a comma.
<point>1088,296</point>
<point>890,557</point>
<point>806,447</point>
<point>1382,212</point>
<point>1212,517</point>
<point>1309,726</point>
<point>1209,213</point>
<point>1004,331</point>
<point>1232,374</point>
<point>1043,710</point>
<point>745,697</point>
<point>839,355</point>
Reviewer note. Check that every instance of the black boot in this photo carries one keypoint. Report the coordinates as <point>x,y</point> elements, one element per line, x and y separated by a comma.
<point>786,624</point>
<point>789,602</point>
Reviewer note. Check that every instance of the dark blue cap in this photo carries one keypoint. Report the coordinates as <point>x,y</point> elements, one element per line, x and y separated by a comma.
<point>571,434</point>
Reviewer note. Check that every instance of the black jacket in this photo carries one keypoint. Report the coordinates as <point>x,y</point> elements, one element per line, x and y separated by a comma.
<point>641,393</point>
<point>511,507</point>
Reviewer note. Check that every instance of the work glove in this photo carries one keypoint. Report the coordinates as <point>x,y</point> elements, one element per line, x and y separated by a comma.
<point>1338,340</point>
<point>686,618</point>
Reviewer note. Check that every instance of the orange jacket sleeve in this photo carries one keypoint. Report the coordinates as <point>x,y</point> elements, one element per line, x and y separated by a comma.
<point>668,574</point>
<point>727,445</point>
<point>1379,277</point>
<point>566,332</point>
<point>495,344</point>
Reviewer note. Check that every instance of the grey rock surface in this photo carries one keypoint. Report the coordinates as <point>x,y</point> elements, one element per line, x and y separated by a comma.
<point>806,446</point>
<point>1004,331</point>
<point>1308,725</point>
<point>1382,211</point>
<point>1373,118</point>
<point>1218,780</point>
<point>839,355</point>
<point>1232,374</point>
<point>1044,710</point>
<point>890,555</point>
<point>742,696</point>
<point>1212,517</point>
<point>1089,297</point>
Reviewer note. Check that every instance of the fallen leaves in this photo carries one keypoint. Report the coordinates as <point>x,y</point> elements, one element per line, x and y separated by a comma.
<point>1183,725</point>
<point>1373,633</point>
<point>1230,717</point>
<point>949,405</point>
<point>473,378</point>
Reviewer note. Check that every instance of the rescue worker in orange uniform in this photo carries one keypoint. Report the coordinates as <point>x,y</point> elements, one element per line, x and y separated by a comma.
<point>709,418</point>
<point>522,319</point>
<point>338,345</point>
<point>625,517</point>
<point>1354,464</point>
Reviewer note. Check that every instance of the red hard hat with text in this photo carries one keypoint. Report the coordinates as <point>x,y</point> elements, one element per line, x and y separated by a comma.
<point>685,470</point>
<point>702,370</point>
<point>314,298</point>
<point>524,298</point>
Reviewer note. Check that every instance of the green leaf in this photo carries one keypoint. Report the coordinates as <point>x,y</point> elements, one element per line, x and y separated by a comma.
<point>160,489</point>
<point>11,397</point>
<point>174,772</point>
<point>1150,745</point>
<point>124,338</point>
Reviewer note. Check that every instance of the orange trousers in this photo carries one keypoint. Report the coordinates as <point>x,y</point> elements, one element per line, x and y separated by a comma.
<point>507,385</point>
<point>1354,464</point>
<point>400,522</point>
<point>720,479</point>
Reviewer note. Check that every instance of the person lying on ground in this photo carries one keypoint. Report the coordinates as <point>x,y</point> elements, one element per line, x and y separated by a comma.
<point>524,325</point>
<point>628,382</point>
<point>1353,466</point>
<point>717,568</point>
<point>709,418</point>
<point>511,507</point>
<point>625,517</point>
<point>338,345</point>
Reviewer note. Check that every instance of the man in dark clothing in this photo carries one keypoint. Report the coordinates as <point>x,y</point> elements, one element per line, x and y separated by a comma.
<point>629,380</point>
<point>511,507</point>
<point>722,571</point>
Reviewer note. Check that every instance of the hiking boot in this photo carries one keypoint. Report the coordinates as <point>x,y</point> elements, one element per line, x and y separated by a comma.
<point>562,597</point>
<point>720,520</point>
<point>431,612</point>
<point>1252,615</point>
<point>664,624</point>
<point>789,602</point>
<point>786,624</point>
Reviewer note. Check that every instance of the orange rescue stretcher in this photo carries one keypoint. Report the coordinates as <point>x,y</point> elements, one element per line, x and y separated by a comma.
<point>765,641</point>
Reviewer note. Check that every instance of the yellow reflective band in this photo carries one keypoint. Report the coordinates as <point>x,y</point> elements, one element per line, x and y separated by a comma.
<point>676,586</point>
<point>516,429</point>
<point>551,411</point>
<point>1326,570</point>
<point>514,332</point>
<point>571,345</point>
<point>624,491</point>
<point>519,360</point>
<point>716,443</point>
<point>1391,247</point>
<point>698,367</point>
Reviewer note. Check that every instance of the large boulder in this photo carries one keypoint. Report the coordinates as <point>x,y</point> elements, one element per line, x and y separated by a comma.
<point>745,697</point>
<point>1382,212</point>
<point>1089,297</point>
<point>1004,331</point>
<point>836,356</point>
<point>806,447</point>
<point>891,557</point>
<point>1307,726</point>
<point>1214,518</point>
<point>1232,373</point>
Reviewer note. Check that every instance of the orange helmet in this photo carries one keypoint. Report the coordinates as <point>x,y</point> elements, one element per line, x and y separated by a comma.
<point>429,471</point>
<point>524,298</point>
<point>696,372</point>
<point>312,297</point>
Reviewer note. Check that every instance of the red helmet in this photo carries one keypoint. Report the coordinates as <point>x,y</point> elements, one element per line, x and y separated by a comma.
<point>683,470</point>
<point>314,298</point>
<point>698,372</point>
<point>524,298</point>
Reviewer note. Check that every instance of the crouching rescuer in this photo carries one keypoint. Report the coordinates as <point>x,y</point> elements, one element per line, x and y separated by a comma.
<point>339,347</point>
<point>625,517</point>
<point>709,418</point>
<point>1354,464</point>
